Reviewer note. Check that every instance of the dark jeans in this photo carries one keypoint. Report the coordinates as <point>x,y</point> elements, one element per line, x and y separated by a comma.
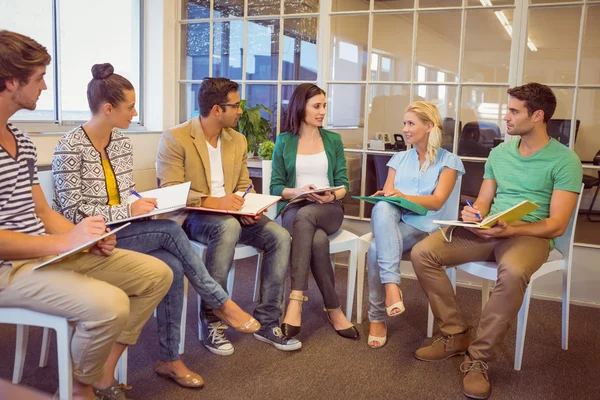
<point>165,240</point>
<point>310,224</point>
<point>221,233</point>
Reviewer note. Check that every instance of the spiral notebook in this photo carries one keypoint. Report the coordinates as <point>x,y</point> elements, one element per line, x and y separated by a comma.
<point>512,214</point>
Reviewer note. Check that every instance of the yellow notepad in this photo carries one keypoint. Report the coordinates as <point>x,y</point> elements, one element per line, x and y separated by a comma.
<point>512,214</point>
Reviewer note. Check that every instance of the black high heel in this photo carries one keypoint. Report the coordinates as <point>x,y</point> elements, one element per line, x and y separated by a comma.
<point>288,330</point>
<point>348,333</point>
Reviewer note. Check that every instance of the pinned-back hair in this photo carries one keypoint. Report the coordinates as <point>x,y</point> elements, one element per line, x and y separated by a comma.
<point>106,87</point>
<point>428,112</point>
<point>20,55</point>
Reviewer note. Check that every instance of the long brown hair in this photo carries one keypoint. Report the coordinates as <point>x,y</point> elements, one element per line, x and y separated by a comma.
<point>20,55</point>
<point>297,107</point>
<point>106,87</point>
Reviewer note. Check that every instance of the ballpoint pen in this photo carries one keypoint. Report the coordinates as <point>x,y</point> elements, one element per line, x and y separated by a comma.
<point>247,191</point>
<point>471,205</point>
<point>136,194</point>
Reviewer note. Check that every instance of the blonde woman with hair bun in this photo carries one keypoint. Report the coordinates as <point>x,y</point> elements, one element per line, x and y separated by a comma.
<point>426,175</point>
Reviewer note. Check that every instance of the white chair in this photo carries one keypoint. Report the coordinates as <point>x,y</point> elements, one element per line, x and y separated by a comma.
<point>24,318</point>
<point>451,213</point>
<point>339,242</point>
<point>560,259</point>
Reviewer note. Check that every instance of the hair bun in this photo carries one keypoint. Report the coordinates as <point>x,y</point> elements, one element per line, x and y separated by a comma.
<point>102,71</point>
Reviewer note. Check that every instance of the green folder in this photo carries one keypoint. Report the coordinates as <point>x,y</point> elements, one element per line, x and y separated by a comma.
<point>397,201</point>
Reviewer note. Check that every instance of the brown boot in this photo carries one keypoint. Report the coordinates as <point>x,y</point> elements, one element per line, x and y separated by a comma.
<point>445,347</point>
<point>476,383</point>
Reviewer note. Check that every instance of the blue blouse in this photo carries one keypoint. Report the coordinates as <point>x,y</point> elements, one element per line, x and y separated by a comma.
<point>413,181</point>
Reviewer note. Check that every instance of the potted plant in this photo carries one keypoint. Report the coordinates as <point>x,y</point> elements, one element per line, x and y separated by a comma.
<point>252,125</point>
<point>265,153</point>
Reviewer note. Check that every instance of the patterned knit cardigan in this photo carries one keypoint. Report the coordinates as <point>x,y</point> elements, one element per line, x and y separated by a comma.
<point>79,182</point>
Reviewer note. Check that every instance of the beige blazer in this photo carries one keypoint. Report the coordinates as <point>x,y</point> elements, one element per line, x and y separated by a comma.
<point>183,156</point>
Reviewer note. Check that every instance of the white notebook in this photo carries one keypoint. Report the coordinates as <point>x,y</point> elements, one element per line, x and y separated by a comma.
<point>254,204</point>
<point>318,191</point>
<point>83,247</point>
<point>170,198</point>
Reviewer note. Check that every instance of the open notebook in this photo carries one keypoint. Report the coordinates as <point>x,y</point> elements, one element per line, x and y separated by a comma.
<point>83,247</point>
<point>318,191</point>
<point>170,198</point>
<point>254,204</point>
<point>512,214</point>
<point>397,201</point>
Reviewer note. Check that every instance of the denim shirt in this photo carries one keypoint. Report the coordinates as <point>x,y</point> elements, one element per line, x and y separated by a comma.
<point>411,180</point>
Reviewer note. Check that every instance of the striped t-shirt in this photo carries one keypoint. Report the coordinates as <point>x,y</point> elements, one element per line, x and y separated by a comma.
<point>17,175</point>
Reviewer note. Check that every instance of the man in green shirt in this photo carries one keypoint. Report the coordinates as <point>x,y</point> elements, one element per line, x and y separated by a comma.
<point>532,167</point>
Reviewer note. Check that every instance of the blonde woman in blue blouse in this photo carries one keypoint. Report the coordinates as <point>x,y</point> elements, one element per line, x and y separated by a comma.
<point>426,175</point>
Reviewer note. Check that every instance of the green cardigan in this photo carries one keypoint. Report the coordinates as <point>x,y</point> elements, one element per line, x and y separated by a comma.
<point>284,163</point>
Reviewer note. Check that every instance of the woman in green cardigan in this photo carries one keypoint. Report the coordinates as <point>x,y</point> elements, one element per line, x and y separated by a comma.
<point>307,157</point>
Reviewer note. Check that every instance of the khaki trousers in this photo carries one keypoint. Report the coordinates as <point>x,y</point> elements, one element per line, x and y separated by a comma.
<point>517,258</point>
<point>107,298</point>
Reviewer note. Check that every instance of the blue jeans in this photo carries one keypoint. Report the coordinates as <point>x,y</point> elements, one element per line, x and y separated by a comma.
<point>392,238</point>
<point>165,240</point>
<point>221,233</point>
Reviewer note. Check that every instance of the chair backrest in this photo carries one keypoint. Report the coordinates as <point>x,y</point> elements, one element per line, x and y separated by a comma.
<point>46,179</point>
<point>453,203</point>
<point>564,243</point>
<point>266,186</point>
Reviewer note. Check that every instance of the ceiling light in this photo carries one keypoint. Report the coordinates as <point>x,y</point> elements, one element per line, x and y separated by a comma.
<point>506,24</point>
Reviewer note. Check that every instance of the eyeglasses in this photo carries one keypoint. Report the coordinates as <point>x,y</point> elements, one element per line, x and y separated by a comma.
<point>234,106</point>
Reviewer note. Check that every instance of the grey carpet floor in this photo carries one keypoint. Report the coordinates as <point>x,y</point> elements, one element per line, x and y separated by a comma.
<point>331,367</point>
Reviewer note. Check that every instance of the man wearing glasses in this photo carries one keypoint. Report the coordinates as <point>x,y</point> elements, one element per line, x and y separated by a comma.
<point>208,152</point>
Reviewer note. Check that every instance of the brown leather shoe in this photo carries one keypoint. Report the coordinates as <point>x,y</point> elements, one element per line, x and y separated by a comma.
<point>476,383</point>
<point>192,380</point>
<point>445,347</point>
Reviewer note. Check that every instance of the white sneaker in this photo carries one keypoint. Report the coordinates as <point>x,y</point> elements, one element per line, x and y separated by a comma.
<point>216,342</point>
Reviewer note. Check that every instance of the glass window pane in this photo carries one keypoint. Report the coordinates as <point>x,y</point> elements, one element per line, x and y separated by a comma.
<point>391,58</point>
<point>438,46</point>
<point>386,111</point>
<point>551,55</point>
<point>195,39</point>
<point>267,96</point>
<point>228,8</point>
<point>262,61</point>
<point>590,58</point>
<point>559,127</point>
<point>490,2</point>
<point>587,139</point>
<point>16,16</point>
<point>188,101</point>
<point>228,43</point>
<point>194,9</point>
<point>349,37</point>
<point>300,6</point>
<point>300,49</point>
<point>444,97</point>
<point>286,94</point>
<point>487,46</point>
<point>354,165</point>
<point>393,4</point>
<point>264,7</point>
<point>345,113</point>
<point>482,128</point>
<point>439,3</point>
<point>345,5</point>
<point>82,47</point>
<point>552,1</point>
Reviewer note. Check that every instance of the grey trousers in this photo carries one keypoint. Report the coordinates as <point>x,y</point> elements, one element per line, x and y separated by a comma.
<point>310,224</point>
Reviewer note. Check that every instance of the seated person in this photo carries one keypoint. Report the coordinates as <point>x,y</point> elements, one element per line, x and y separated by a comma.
<point>208,152</point>
<point>108,294</point>
<point>306,157</point>
<point>426,175</point>
<point>531,167</point>
<point>98,152</point>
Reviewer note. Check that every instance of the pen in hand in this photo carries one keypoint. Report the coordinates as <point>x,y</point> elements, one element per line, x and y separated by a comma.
<point>247,191</point>
<point>136,194</point>
<point>471,205</point>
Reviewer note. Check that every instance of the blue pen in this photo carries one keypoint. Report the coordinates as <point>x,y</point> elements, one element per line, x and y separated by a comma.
<point>247,191</point>
<point>136,194</point>
<point>471,205</point>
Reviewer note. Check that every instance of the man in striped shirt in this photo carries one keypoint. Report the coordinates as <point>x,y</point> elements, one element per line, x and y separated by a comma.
<point>109,294</point>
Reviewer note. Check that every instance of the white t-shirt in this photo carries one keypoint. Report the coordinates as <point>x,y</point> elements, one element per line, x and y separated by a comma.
<point>312,169</point>
<point>217,180</point>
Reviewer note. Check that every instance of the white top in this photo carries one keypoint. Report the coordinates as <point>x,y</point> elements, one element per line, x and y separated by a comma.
<point>312,169</point>
<point>217,180</point>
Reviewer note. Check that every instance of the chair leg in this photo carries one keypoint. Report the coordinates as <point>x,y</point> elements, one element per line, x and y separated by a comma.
<point>65,366</point>
<point>230,278</point>
<point>485,292</point>
<point>566,303</point>
<point>200,333</point>
<point>257,278</point>
<point>183,316</point>
<point>522,328</point>
<point>47,336</point>
<point>352,267</point>
<point>360,278</point>
<point>20,352</point>
<point>121,371</point>
<point>429,321</point>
